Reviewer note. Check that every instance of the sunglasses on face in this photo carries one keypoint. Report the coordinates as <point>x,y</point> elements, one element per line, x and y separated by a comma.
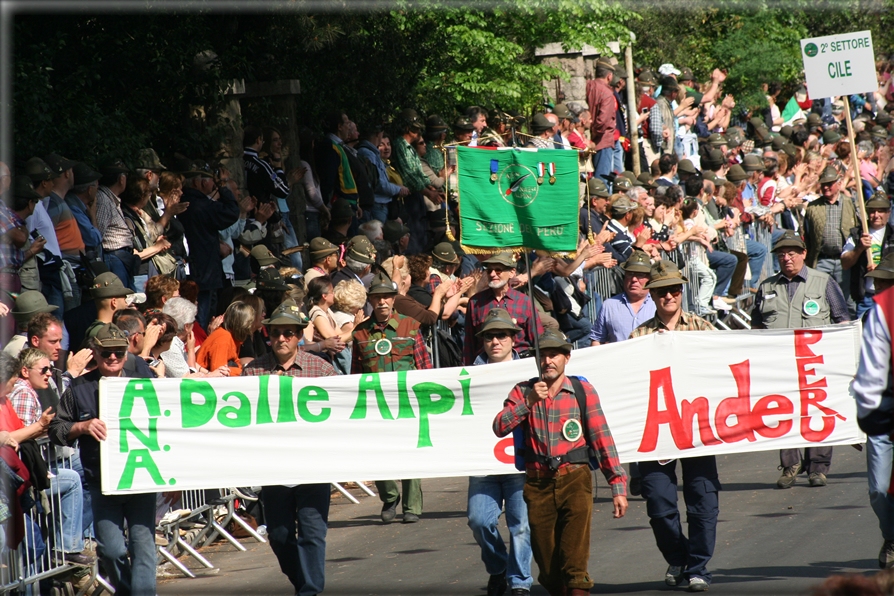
<point>495,270</point>
<point>673,290</point>
<point>106,354</point>
<point>44,371</point>
<point>500,335</point>
<point>287,333</point>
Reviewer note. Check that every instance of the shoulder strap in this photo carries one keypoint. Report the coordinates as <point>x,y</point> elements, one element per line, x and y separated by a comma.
<point>581,396</point>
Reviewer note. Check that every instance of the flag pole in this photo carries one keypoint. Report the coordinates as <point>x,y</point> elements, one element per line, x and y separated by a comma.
<point>534,314</point>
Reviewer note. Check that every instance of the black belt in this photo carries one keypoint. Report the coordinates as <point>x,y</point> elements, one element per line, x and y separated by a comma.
<point>575,456</point>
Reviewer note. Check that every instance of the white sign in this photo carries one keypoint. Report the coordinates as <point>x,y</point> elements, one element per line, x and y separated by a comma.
<point>839,64</point>
<point>664,396</point>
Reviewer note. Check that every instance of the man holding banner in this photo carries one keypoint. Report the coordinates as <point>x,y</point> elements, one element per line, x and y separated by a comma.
<point>128,560</point>
<point>304,507</point>
<point>795,298</point>
<point>687,559</point>
<point>387,342</point>
<point>560,437</point>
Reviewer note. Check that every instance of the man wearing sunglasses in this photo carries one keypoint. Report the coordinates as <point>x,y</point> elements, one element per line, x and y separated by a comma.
<point>499,269</point>
<point>687,559</point>
<point>489,494</point>
<point>303,507</point>
<point>78,420</point>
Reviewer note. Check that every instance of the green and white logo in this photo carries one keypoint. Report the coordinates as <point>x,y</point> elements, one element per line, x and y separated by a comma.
<point>572,430</point>
<point>518,185</point>
<point>811,50</point>
<point>811,308</point>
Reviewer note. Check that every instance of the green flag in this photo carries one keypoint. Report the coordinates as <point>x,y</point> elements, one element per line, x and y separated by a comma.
<point>518,199</point>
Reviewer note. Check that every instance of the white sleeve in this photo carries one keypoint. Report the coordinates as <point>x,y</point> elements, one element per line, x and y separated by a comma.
<point>875,363</point>
<point>848,246</point>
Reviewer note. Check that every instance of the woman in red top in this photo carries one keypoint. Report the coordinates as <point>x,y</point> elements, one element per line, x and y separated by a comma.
<point>222,346</point>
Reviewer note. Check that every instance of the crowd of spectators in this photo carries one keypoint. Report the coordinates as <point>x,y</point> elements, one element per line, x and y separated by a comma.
<point>186,266</point>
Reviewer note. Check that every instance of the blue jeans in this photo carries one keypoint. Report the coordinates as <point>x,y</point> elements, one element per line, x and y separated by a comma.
<point>700,486</point>
<point>111,514</point>
<point>603,161</point>
<point>618,157</point>
<point>87,516</point>
<point>724,265</point>
<point>203,313</point>
<point>65,489</point>
<point>305,509</point>
<point>117,267</point>
<point>879,454</point>
<point>757,253</point>
<point>842,276</point>
<point>313,225</point>
<point>487,496</point>
<point>291,241</point>
<point>380,212</point>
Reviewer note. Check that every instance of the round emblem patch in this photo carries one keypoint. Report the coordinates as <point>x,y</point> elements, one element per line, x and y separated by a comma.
<point>518,185</point>
<point>572,430</point>
<point>811,50</point>
<point>811,308</point>
<point>383,346</point>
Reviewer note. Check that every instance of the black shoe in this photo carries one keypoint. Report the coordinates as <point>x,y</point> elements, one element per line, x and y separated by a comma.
<point>410,518</point>
<point>389,511</point>
<point>521,592</point>
<point>245,493</point>
<point>496,585</point>
<point>80,559</point>
<point>635,486</point>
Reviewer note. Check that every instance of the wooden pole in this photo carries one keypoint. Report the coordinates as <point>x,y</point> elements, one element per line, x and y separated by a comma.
<point>856,170</point>
<point>631,108</point>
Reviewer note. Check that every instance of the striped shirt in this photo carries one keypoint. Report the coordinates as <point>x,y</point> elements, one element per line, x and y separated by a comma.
<point>305,365</point>
<point>110,221</point>
<point>11,256</point>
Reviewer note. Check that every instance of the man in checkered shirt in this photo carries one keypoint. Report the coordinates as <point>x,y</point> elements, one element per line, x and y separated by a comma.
<point>559,486</point>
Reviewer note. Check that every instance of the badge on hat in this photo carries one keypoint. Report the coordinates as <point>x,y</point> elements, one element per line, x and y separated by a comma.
<point>572,430</point>
<point>383,346</point>
<point>811,308</point>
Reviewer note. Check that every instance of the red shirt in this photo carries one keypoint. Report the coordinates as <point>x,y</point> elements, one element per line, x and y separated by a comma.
<point>544,432</point>
<point>9,420</point>
<point>601,100</point>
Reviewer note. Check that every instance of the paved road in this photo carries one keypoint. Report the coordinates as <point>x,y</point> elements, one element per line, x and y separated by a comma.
<point>769,541</point>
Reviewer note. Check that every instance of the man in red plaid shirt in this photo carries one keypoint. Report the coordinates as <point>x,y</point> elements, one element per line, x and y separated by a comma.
<point>559,487</point>
<point>499,269</point>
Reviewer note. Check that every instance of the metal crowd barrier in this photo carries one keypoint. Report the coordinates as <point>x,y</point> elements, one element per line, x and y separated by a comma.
<point>23,568</point>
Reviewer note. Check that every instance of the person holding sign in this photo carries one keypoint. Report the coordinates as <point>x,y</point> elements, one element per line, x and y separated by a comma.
<point>687,559</point>
<point>302,507</point>
<point>798,297</point>
<point>128,560</point>
<point>385,342</point>
<point>561,436</point>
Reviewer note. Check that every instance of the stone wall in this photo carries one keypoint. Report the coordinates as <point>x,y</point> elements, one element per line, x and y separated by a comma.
<point>578,64</point>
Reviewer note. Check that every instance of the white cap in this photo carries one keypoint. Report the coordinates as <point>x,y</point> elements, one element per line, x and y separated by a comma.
<point>668,69</point>
<point>135,298</point>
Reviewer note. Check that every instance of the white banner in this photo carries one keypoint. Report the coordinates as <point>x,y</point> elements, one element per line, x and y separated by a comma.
<point>842,64</point>
<point>665,396</point>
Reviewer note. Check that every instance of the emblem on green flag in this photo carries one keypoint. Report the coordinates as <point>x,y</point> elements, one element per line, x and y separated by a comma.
<point>505,204</point>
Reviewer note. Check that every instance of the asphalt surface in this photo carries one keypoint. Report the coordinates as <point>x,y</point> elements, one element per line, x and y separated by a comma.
<point>769,541</point>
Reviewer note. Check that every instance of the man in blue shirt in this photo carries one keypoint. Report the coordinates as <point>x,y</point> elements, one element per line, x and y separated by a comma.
<point>623,313</point>
<point>81,199</point>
